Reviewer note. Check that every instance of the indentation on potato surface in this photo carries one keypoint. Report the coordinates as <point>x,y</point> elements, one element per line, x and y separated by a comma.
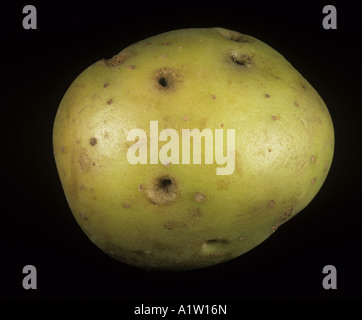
<point>215,246</point>
<point>241,59</point>
<point>234,36</point>
<point>163,190</point>
<point>166,79</point>
<point>199,197</point>
<point>116,60</point>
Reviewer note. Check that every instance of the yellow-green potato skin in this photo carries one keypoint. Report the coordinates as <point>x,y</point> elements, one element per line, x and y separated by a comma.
<point>217,79</point>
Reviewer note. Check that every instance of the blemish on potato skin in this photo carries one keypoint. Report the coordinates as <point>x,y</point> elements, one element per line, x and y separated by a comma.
<point>92,141</point>
<point>131,67</point>
<point>109,101</point>
<point>274,117</point>
<point>222,184</point>
<point>296,104</point>
<point>170,225</point>
<point>140,187</point>
<point>213,97</point>
<point>84,160</point>
<point>267,95</point>
<point>83,216</point>
<point>116,60</point>
<point>185,118</point>
<point>196,212</point>
<point>271,204</point>
<point>62,149</point>
<point>199,197</point>
<point>288,212</point>
<point>106,85</point>
<point>163,190</point>
<point>313,159</point>
<point>314,180</point>
<point>126,206</point>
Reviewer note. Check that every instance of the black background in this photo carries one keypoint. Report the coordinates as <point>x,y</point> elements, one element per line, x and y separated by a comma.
<point>37,226</point>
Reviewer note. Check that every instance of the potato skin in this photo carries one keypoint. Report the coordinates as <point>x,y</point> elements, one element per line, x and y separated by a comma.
<point>184,216</point>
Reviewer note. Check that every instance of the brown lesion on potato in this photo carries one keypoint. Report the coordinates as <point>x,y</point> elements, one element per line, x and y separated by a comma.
<point>242,60</point>
<point>170,225</point>
<point>163,190</point>
<point>93,141</point>
<point>287,214</point>
<point>166,79</point>
<point>116,60</point>
<point>271,203</point>
<point>196,213</point>
<point>83,160</point>
<point>200,197</point>
<point>313,159</point>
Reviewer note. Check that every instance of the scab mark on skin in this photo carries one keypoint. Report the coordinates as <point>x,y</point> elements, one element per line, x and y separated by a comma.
<point>116,60</point>
<point>271,204</point>
<point>109,101</point>
<point>199,197</point>
<point>170,225</point>
<point>92,141</point>
<point>83,216</point>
